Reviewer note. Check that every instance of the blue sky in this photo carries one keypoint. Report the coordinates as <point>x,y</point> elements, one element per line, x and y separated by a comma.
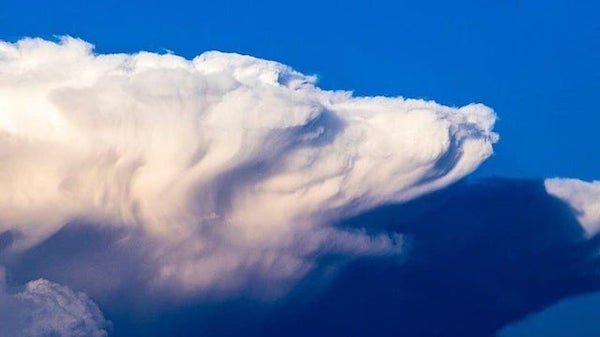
<point>536,63</point>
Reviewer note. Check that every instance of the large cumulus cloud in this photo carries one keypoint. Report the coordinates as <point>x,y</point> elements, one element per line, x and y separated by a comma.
<point>223,166</point>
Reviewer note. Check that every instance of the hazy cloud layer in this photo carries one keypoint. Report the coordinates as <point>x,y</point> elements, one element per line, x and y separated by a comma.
<point>46,309</point>
<point>583,196</point>
<point>223,166</point>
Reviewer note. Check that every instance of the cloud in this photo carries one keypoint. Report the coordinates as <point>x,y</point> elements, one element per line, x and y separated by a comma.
<point>224,166</point>
<point>583,196</point>
<point>46,309</point>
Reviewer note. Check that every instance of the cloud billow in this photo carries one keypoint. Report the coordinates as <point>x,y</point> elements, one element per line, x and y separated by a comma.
<point>221,168</point>
<point>47,309</point>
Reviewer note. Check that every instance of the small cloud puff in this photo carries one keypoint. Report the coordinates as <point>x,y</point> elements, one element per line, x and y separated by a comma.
<point>225,165</point>
<point>46,309</point>
<point>583,196</point>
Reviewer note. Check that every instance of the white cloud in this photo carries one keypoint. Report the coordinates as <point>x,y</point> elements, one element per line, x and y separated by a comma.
<point>229,164</point>
<point>46,309</point>
<point>583,196</point>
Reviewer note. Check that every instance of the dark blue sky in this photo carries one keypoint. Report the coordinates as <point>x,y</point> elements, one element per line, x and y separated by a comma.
<point>537,63</point>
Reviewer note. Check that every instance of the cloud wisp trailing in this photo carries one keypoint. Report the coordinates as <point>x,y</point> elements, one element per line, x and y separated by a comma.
<point>225,167</point>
